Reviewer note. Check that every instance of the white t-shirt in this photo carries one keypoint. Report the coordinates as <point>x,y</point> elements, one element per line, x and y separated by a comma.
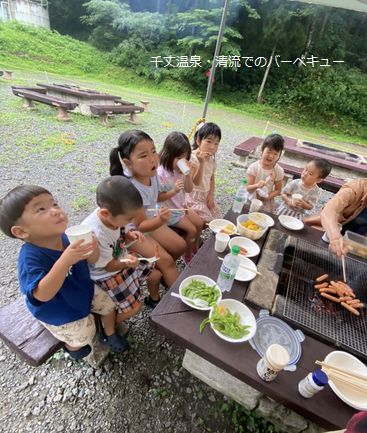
<point>111,246</point>
<point>149,194</point>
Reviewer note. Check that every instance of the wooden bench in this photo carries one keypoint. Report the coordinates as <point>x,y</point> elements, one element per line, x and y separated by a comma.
<point>103,111</point>
<point>330,183</point>
<point>25,335</point>
<point>8,75</point>
<point>30,96</point>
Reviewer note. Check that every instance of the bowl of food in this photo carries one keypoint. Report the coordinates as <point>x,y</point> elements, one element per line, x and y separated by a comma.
<point>199,287</point>
<point>248,248</point>
<point>231,320</point>
<point>261,218</point>
<point>222,226</point>
<point>349,389</point>
<point>249,228</point>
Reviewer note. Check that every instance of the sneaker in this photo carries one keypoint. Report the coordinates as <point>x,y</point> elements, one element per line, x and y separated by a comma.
<point>149,302</point>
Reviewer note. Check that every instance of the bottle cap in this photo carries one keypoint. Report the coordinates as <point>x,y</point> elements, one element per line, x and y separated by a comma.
<point>244,181</point>
<point>319,377</point>
<point>235,250</point>
<point>277,356</point>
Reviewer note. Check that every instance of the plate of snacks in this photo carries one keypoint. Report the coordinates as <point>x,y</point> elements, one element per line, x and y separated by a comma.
<point>248,248</point>
<point>222,226</point>
<point>200,287</point>
<point>231,320</point>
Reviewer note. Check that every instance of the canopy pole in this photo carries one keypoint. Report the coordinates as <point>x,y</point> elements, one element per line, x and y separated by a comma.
<point>216,53</point>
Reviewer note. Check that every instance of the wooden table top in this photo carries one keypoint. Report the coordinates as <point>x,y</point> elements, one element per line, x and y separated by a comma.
<point>180,323</point>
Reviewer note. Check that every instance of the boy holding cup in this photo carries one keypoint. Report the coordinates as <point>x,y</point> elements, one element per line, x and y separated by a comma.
<point>53,274</point>
<point>301,195</point>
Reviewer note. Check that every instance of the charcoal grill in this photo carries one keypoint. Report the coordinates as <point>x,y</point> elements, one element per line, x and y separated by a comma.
<point>304,307</point>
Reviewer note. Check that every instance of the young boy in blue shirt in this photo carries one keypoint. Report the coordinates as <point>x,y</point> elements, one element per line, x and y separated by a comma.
<point>53,274</point>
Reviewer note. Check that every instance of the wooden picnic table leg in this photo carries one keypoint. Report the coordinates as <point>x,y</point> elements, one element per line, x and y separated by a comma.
<point>62,114</point>
<point>8,75</point>
<point>133,118</point>
<point>28,103</point>
<point>104,120</point>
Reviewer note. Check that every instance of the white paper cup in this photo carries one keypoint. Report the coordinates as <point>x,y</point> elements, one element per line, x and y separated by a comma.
<point>296,197</point>
<point>255,205</point>
<point>221,242</point>
<point>182,165</point>
<point>79,232</point>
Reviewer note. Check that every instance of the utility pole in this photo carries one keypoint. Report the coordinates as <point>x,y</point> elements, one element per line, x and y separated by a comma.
<point>216,53</point>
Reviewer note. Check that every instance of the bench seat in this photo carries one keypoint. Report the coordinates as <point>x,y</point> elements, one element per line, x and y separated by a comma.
<point>29,96</point>
<point>25,335</point>
<point>104,110</point>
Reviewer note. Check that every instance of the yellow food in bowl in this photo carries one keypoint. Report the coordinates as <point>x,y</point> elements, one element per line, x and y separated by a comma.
<point>251,226</point>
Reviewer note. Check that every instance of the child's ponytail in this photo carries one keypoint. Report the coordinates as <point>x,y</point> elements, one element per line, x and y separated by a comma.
<point>115,163</point>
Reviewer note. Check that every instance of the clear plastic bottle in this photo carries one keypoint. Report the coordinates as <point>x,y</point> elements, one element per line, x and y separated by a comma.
<point>263,192</point>
<point>241,196</point>
<point>228,270</point>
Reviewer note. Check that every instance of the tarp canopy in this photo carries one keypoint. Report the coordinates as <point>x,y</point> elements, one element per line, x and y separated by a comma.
<point>354,5</point>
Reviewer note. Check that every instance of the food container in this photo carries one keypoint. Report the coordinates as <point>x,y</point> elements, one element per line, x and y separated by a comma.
<point>251,234</point>
<point>357,244</point>
<point>312,383</point>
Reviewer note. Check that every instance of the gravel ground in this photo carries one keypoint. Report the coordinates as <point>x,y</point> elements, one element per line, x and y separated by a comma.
<point>146,389</point>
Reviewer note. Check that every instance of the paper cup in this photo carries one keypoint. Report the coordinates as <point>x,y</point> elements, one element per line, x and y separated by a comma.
<point>221,242</point>
<point>296,197</point>
<point>255,205</point>
<point>79,232</point>
<point>182,165</point>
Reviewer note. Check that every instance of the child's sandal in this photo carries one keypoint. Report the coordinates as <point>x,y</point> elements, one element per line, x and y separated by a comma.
<point>115,342</point>
<point>79,354</point>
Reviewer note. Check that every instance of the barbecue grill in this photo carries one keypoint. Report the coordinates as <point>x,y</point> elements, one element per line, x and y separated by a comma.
<point>304,307</point>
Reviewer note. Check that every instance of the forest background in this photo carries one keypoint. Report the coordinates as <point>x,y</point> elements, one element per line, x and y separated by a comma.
<point>133,33</point>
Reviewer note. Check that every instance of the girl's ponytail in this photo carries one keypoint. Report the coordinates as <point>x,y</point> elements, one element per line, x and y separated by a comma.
<point>115,163</point>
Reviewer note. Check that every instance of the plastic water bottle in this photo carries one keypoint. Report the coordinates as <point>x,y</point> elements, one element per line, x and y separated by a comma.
<point>241,197</point>
<point>263,192</point>
<point>229,269</point>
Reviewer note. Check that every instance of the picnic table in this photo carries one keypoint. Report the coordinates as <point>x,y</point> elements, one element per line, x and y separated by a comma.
<point>180,323</point>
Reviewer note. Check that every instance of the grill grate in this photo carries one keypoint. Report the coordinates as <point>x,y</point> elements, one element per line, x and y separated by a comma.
<point>330,321</point>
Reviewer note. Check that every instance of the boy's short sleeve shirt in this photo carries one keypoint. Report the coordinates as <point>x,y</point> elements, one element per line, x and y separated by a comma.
<point>111,246</point>
<point>74,299</point>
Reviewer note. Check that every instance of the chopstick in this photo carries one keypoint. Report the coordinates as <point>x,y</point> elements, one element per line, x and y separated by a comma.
<point>244,267</point>
<point>172,210</point>
<point>343,266</point>
<point>344,372</point>
<point>136,240</point>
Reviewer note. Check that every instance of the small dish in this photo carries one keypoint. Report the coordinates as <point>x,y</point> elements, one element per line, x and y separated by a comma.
<point>252,248</point>
<point>261,218</point>
<point>247,318</point>
<point>290,223</point>
<point>244,274</point>
<point>203,279</point>
<point>220,224</point>
<point>352,397</point>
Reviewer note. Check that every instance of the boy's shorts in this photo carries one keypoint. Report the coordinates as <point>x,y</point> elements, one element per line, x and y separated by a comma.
<point>81,332</point>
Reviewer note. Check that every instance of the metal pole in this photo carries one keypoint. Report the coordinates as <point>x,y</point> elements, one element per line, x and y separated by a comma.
<point>216,53</point>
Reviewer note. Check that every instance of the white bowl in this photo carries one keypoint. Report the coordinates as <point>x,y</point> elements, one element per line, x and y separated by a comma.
<point>252,248</point>
<point>261,218</point>
<point>243,274</point>
<point>247,318</point>
<point>205,280</point>
<point>290,223</point>
<point>219,224</point>
<point>251,234</point>
<point>349,395</point>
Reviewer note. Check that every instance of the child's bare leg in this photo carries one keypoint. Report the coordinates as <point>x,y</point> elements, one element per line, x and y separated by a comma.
<point>165,264</point>
<point>121,317</point>
<point>198,223</point>
<point>153,282</point>
<point>108,322</point>
<point>190,234</point>
<point>170,241</point>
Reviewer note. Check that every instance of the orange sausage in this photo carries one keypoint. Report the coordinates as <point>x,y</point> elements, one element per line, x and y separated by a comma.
<point>351,309</point>
<point>331,298</point>
<point>353,301</point>
<point>345,299</point>
<point>321,278</point>
<point>339,289</point>
<point>321,286</point>
<point>328,290</point>
<point>359,305</point>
